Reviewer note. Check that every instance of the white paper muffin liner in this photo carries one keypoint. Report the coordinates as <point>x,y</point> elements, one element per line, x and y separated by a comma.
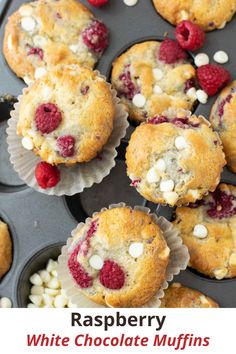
<point>179,258</point>
<point>73,179</point>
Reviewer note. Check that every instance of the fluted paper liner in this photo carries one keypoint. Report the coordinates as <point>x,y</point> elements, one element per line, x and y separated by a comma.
<point>178,261</point>
<point>73,179</point>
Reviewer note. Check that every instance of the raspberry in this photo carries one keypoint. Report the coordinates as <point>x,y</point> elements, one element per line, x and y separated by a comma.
<point>170,51</point>
<point>158,120</point>
<point>189,84</point>
<point>222,205</point>
<point>135,183</point>
<point>189,35</point>
<point>96,37</point>
<point>212,78</point>
<point>111,275</point>
<point>184,123</point>
<point>66,145</point>
<point>129,89</point>
<point>98,3</point>
<point>36,51</point>
<point>221,106</point>
<point>82,278</point>
<point>47,175</point>
<point>47,118</point>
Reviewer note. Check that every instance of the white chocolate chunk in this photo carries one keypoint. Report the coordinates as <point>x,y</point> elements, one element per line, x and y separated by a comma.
<point>167,185</point>
<point>184,15</point>
<point>48,300</point>
<point>221,57</point>
<point>160,165</point>
<point>54,273</point>
<point>39,41</point>
<point>220,273</point>
<point>36,299</point>
<point>36,280</point>
<point>74,48</point>
<point>158,74</point>
<point>200,231</point>
<point>191,93</point>
<point>157,90</point>
<point>180,143</point>
<point>136,249</point>
<point>170,197</point>
<point>194,193</point>
<point>60,301</point>
<point>130,2</point>
<point>28,23</point>
<point>96,262</point>
<point>37,290</point>
<point>53,283</point>
<point>39,72</point>
<point>202,96</point>
<point>222,25</point>
<point>26,10</point>
<point>204,300</point>
<point>5,303</point>
<point>152,176</point>
<point>139,100</point>
<point>45,276</point>
<point>27,143</point>
<point>52,265</point>
<point>51,292</point>
<point>201,59</point>
<point>232,259</point>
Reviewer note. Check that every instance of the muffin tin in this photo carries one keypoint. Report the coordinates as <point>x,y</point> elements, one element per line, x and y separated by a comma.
<point>40,224</point>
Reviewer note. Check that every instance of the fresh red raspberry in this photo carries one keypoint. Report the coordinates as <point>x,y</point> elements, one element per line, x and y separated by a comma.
<point>189,35</point>
<point>170,51</point>
<point>111,275</point>
<point>82,278</point>
<point>47,175</point>
<point>66,145</point>
<point>47,118</point>
<point>98,3</point>
<point>36,51</point>
<point>212,78</point>
<point>96,37</point>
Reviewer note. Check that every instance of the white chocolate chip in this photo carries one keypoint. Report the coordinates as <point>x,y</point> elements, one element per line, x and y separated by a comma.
<point>53,283</point>
<point>136,249</point>
<point>232,259</point>
<point>51,292</point>
<point>180,143</point>
<point>192,93</point>
<point>28,23</point>
<point>158,74</point>
<point>203,300</point>
<point>221,57</point>
<point>160,165</point>
<point>9,42</point>
<point>130,2</point>
<point>5,303</point>
<point>60,301</point>
<point>39,41</point>
<point>222,25</point>
<point>74,48</point>
<point>165,253</point>
<point>26,10</point>
<point>201,59</point>
<point>32,306</point>
<point>36,299</point>
<point>167,185</point>
<point>27,143</point>
<point>184,15</point>
<point>170,197</point>
<point>157,90</point>
<point>176,285</point>
<point>152,176</point>
<point>45,276</point>
<point>36,280</point>
<point>139,100</point>
<point>47,300</point>
<point>37,290</point>
<point>27,80</point>
<point>202,96</point>
<point>194,193</point>
<point>39,72</point>
<point>200,231</point>
<point>52,265</point>
<point>220,273</point>
<point>96,262</point>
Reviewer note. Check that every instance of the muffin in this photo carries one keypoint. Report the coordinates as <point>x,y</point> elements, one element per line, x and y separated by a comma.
<point>223,120</point>
<point>120,258</point>
<point>66,116</point>
<point>179,296</point>
<point>208,14</point>
<point>5,249</point>
<point>147,85</point>
<point>168,156</point>
<point>45,33</point>
<point>208,230</point>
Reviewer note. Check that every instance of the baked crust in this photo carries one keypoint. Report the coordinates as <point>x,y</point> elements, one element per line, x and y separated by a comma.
<point>179,296</point>
<point>5,249</point>
<point>117,229</point>
<point>87,117</point>
<point>208,14</point>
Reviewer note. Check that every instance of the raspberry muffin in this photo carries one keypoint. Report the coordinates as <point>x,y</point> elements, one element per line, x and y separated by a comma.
<point>66,116</point>
<point>5,249</point>
<point>208,230</point>
<point>179,296</point>
<point>120,258</point>
<point>44,33</point>
<point>223,120</point>
<point>168,156</point>
<point>208,14</point>
<point>151,77</point>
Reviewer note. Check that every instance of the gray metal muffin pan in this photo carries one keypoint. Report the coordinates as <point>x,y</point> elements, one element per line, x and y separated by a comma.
<point>40,224</point>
